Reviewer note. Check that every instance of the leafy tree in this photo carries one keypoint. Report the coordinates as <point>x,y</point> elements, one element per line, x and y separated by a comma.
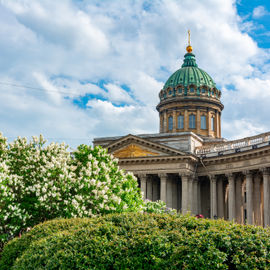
<point>39,182</point>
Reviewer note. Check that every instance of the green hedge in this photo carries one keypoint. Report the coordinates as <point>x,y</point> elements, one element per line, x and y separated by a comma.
<point>139,241</point>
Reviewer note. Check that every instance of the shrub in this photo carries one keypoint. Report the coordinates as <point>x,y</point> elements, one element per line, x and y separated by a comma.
<point>139,241</point>
<point>39,182</point>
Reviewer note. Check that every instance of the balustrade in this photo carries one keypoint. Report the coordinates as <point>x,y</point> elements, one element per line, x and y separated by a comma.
<point>232,145</point>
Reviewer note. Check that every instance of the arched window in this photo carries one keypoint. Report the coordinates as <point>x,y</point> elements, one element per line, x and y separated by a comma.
<point>192,123</point>
<point>213,123</point>
<point>170,120</point>
<point>191,90</point>
<point>203,122</point>
<point>180,122</point>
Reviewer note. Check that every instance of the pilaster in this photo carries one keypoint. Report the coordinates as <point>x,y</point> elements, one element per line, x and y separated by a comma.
<point>231,180</point>
<point>185,120</point>
<point>174,121</point>
<point>198,121</point>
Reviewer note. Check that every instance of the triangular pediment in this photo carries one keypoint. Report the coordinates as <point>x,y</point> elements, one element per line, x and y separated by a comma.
<point>132,146</point>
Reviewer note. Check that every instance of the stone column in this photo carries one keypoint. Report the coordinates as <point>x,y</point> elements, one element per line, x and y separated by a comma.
<point>221,199</point>
<point>143,184</point>
<point>199,197</point>
<point>190,193</point>
<point>213,195</point>
<point>257,199</point>
<point>184,178</point>
<point>266,200</point>
<point>249,194</point>
<point>195,197</point>
<point>238,200</point>
<point>231,196</point>
<point>149,189</point>
<point>163,187</point>
<point>169,192</point>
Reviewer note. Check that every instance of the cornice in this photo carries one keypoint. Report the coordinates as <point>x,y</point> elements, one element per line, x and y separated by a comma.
<point>157,159</point>
<point>187,100</point>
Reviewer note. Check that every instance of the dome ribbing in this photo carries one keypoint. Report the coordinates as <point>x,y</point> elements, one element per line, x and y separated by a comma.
<point>189,74</point>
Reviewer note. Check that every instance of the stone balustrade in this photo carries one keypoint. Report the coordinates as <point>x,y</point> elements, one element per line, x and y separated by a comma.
<point>235,146</point>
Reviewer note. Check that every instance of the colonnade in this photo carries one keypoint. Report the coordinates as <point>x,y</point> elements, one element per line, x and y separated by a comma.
<point>245,198</point>
<point>242,196</point>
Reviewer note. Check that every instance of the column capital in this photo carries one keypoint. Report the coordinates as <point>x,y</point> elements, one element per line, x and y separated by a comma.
<point>264,171</point>
<point>185,175</point>
<point>213,177</point>
<point>142,176</point>
<point>163,176</point>
<point>230,176</point>
<point>247,173</point>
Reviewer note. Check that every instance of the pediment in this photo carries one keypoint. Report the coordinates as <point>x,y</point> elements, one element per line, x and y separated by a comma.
<point>132,146</point>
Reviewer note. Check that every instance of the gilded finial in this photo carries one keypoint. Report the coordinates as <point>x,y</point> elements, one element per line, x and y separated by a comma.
<point>189,47</point>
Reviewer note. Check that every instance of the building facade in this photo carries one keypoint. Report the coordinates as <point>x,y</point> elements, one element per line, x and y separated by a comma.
<point>188,165</point>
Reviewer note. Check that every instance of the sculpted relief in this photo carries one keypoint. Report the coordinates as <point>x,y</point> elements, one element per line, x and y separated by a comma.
<point>133,150</point>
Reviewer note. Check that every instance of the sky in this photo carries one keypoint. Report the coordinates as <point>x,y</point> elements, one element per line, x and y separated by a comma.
<point>76,70</point>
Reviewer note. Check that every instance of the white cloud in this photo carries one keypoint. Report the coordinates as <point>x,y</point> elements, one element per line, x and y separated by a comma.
<point>259,12</point>
<point>121,120</point>
<point>117,95</point>
<point>242,128</point>
<point>76,48</point>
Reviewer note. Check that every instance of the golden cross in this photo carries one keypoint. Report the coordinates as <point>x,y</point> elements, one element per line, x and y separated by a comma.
<point>188,37</point>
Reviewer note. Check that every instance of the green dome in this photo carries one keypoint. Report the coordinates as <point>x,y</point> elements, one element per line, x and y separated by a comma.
<point>190,74</point>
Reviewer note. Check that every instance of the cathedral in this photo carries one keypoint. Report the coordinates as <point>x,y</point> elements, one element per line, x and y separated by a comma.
<point>188,164</point>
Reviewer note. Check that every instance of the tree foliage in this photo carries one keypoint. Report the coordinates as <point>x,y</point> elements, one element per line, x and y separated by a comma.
<point>40,181</point>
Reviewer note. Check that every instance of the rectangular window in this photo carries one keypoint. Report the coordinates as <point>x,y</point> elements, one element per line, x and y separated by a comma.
<point>213,123</point>
<point>180,124</point>
<point>203,122</point>
<point>192,123</point>
<point>170,123</point>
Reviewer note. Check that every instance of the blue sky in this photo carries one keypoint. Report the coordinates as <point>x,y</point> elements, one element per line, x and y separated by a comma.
<point>75,70</point>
